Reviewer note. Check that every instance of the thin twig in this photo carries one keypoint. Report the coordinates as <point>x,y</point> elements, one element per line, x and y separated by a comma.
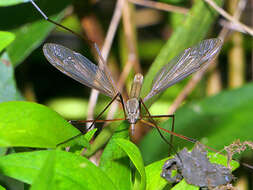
<point>236,57</point>
<point>105,52</point>
<point>129,29</point>
<point>160,6</point>
<point>112,29</point>
<point>229,17</point>
<point>198,76</point>
<point>230,25</point>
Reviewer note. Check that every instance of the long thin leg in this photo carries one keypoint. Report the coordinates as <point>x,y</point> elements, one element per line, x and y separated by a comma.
<point>170,132</point>
<point>93,122</point>
<point>154,123</point>
<point>172,127</point>
<point>123,106</point>
<point>118,94</point>
<point>160,133</point>
<point>81,122</point>
<point>157,116</point>
<point>173,122</point>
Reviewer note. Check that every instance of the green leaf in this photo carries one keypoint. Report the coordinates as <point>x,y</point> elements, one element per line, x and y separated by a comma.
<point>44,180</point>
<point>33,125</point>
<point>70,171</point>
<point>29,26</point>
<point>114,160</point>
<point>154,179</point>
<point>8,90</point>
<point>216,121</point>
<point>4,3</point>
<point>135,156</point>
<point>2,188</point>
<point>5,39</point>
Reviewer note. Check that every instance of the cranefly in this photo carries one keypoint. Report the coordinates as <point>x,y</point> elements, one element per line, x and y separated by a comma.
<point>84,71</point>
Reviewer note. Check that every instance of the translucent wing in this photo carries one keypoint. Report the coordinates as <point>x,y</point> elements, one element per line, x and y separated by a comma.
<point>189,61</point>
<point>79,68</point>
